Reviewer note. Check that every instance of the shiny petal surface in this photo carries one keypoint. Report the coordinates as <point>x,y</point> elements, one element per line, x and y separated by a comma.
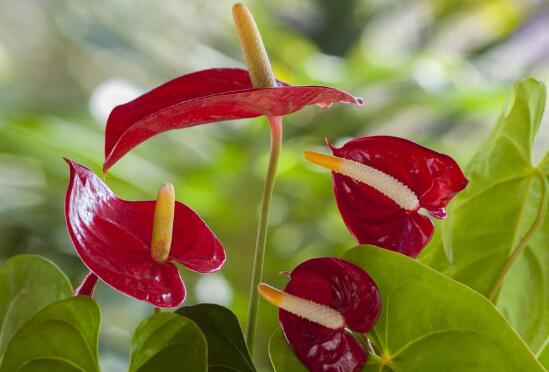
<point>112,237</point>
<point>375,219</point>
<point>344,287</point>
<point>205,97</point>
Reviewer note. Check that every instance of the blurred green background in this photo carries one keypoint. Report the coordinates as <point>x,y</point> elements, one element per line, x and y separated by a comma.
<point>434,71</point>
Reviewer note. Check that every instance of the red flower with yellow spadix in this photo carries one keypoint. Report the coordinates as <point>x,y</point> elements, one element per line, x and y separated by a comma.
<point>132,245</point>
<point>325,301</point>
<point>381,183</point>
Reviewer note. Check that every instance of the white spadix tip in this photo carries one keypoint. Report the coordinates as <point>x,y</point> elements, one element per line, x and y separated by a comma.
<point>306,309</point>
<point>386,184</point>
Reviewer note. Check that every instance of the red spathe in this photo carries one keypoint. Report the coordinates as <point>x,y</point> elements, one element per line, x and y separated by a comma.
<point>112,237</point>
<point>372,217</point>
<point>344,287</point>
<point>204,97</point>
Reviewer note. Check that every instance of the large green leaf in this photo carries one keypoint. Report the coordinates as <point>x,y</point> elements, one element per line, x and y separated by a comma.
<point>227,349</point>
<point>432,323</point>
<point>62,337</point>
<point>27,285</point>
<point>168,342</point>
<point>495,232</point>
<point>490,218</point>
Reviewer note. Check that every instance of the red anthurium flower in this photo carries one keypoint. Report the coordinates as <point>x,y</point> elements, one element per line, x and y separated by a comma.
<point>325,298</point>
<point>205,97</point>
<point>131,245</point>
<point>382,182</point>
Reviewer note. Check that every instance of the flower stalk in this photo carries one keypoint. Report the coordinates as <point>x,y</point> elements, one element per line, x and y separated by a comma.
<point>262,76</point>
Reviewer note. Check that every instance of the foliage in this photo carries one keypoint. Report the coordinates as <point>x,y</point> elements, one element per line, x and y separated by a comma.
<point>166,342</point>
<point>27,285</point>
<point>428,322</point>
<point>483,235</point>
<point>64,336</point>
<point>227,350</point>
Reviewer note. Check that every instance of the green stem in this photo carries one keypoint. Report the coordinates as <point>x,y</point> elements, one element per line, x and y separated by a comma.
<point>276,143</point>
<point>524,242</point>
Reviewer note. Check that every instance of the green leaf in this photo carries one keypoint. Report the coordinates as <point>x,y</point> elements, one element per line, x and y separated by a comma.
<point>487,221</point>
<point>282,357</point>
<point>168,342</point>
<point>544,356</point>
<point>227,349</point>
<point>27,285</point>
<point>524,297</point>
<point>495,236</point>
<point>432,323</point>
<point>62,337</point>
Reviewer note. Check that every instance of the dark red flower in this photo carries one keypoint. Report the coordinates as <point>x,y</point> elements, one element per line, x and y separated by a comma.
<point>113,238</point>
<point>205,97</point>
<point>382,182</point>
<point>323,297</point>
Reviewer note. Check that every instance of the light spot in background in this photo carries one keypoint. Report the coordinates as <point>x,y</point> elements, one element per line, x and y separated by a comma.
<point>214,289</point>
<point>4,63</point>
<point>110,94</point>
<point>429,74</point>
<point>327,68</point>
<point>112,363</point>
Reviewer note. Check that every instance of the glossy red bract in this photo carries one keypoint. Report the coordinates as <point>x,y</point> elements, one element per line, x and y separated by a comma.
<point>375,219</point>
<point>112,237</point>
<point>205,97</point>
<point>345,287</point>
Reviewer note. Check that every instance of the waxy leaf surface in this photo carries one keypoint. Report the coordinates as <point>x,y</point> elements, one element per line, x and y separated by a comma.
<point>113,237</point>
<point>27,285</point>
<point>205,97</point>
<point>168,342</point>
<point>344,287</point>
<point>62,337</point>
<point>501,210</point>
<point>433,323</point>
<point>374,218</point>
<point>429,322</point>
<point>227,349</point>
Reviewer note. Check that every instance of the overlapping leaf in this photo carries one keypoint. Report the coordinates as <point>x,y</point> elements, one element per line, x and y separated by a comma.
<point>227,349</point>
<point>27,285</point>
<point>168,342</point>
<point>428,322</point>
<point>62,337</point>
<point>500,212</point>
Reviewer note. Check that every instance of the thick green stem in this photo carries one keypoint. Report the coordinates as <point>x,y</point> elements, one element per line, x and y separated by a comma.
<point>276,143</point>
<point>524,242</point>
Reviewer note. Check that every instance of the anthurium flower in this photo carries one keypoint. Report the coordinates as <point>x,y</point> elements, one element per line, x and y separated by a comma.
<point>204,97</point>
<point>382,182</point>
<point>326,299</point>
<point>131,245</point>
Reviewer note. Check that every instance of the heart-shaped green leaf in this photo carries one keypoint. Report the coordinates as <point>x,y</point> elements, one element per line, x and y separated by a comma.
<point>432,323</point>
<point>495,236</point>
<point>28,284</point>
<point>62,337</point>
<point>168,342</point>
<point>227,349</point>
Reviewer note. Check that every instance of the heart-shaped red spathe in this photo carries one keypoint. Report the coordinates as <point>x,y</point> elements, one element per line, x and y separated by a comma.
<point>204,97</point>
<point>344,287</point>
<point>113,236</point>
<point>371,216</point>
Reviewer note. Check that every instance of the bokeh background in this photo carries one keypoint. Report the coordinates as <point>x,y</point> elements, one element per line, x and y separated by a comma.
<point>434,71</point>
